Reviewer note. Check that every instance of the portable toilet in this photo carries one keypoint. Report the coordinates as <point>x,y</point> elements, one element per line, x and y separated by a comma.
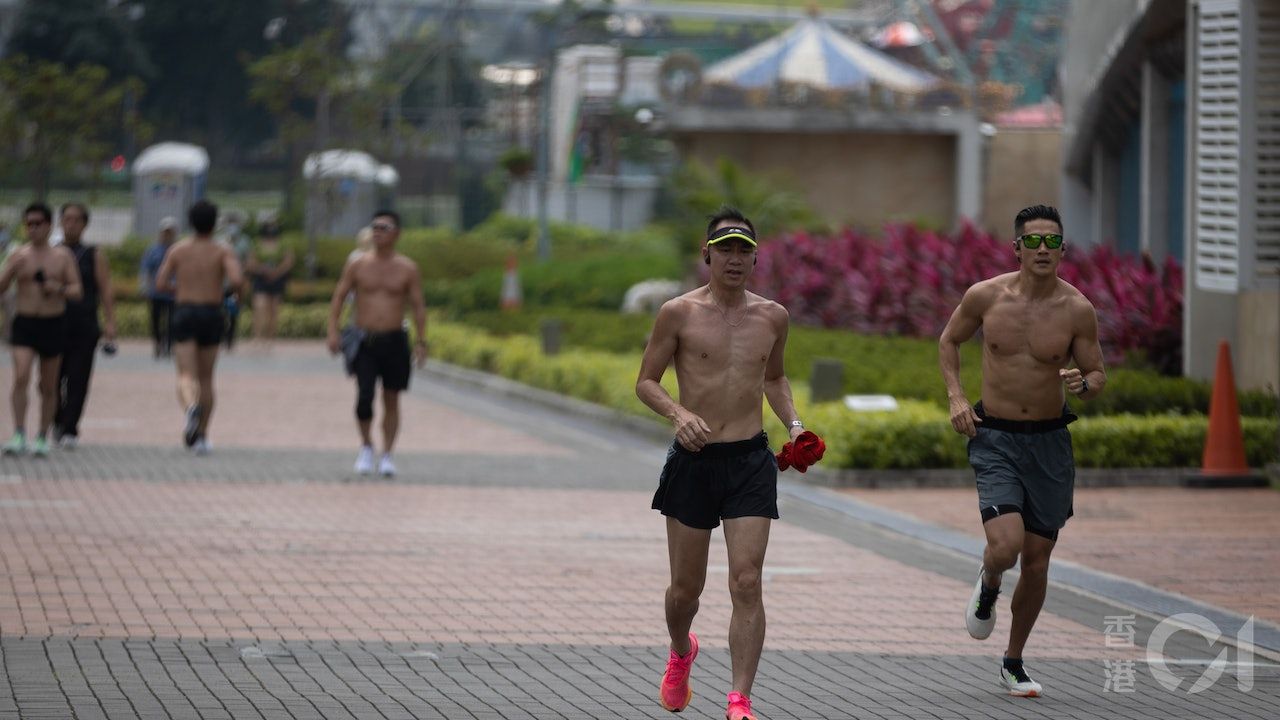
<point>342,191</point>
<point>168,178</point>
<point>388,179</point>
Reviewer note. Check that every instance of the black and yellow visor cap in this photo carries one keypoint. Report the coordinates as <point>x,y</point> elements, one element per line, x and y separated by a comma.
<point>732,233</point>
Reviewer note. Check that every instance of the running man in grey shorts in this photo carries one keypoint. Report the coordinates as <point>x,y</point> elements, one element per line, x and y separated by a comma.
<point>1034,325</point>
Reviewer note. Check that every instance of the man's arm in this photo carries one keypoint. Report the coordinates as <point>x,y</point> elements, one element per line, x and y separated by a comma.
<point>777,389</point>
<point>1087,351</point>
<point>691,431</point>
<point>964,322</point>
<point>72,289</point>
<point>103,275</point>
<point>419,306</point>
<point>335,304</point>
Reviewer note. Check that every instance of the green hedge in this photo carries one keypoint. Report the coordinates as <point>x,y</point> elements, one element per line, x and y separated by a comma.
<point>919,435</point>
<point>906,368</point>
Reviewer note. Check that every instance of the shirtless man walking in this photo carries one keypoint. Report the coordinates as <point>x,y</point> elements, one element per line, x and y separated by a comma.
<point>47,278</point>
<point>201,268</point>
<point>384,283</point>
<point>1033,325</point>
<point>727,345</point>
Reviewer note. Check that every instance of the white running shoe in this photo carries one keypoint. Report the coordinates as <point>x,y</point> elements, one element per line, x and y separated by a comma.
<point>202,446</point>
<point>68,442</point>
<point>980,613</point>
<point>1019,683</point>
<point>364,461</point>
<point>386,468</point>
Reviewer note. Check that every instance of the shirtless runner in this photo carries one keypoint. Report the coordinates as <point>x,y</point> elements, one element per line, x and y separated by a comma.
<point>376,345</point>
<point>47,278</point>
<point>1033,325</point>
<point>201,268</point>
<point>727,345</point>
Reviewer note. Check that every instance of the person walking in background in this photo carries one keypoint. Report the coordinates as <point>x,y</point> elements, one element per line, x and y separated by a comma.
<point>8,244</point>
<point>237,240</point>
<point>82,329</point>
<point>46,278</point>
<point>201,269</point>
<point>268,266</point>
<point>386,284</point>
<point>160,300</point>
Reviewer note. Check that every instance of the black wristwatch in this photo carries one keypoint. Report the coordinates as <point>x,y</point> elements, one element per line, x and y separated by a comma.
<point>1084,386</point>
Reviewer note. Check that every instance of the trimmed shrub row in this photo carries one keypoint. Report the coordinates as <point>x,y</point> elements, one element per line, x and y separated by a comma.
<point>898,366</point>
<point>917,436</point>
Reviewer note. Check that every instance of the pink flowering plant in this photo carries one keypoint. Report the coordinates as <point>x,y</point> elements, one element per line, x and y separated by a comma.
<point>909,281</point>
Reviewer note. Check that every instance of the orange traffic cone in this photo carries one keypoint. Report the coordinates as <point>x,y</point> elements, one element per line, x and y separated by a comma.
<point>1224,463</point>
<point>512,298</point>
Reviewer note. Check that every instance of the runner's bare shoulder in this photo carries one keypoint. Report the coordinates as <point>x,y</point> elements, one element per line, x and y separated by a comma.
<point>981,295</point>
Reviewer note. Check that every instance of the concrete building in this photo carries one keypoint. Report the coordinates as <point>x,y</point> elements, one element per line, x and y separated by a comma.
<point>1172,147</point>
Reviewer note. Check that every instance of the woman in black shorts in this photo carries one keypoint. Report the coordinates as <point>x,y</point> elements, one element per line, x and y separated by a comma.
<point>268,266</point>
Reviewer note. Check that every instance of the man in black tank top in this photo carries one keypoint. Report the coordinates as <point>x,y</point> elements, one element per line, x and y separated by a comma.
<point>83,331</point>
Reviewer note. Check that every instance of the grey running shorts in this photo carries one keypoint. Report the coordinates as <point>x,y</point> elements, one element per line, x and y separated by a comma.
<point>1025,467</point>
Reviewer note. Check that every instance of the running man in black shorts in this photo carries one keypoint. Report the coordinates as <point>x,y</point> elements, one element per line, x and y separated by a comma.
<point>1034,324</point>
<point>47,278</point>
<point>376,346</point>
<point>201,268</point>
<point>727,345</point>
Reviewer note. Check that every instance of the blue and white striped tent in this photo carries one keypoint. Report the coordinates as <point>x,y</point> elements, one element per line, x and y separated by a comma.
<point>815,54</point>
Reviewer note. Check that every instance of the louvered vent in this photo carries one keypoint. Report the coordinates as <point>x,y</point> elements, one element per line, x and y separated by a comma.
<point>1217,152</point>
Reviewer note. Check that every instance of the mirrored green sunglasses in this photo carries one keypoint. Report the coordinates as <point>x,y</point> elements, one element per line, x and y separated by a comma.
<point>1032,241</point>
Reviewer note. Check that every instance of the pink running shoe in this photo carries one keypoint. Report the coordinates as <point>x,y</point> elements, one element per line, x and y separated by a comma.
<point>739,707</point>
<point>675,692</point>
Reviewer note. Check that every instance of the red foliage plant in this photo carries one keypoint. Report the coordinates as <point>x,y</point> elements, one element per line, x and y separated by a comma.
<point>909,282</point>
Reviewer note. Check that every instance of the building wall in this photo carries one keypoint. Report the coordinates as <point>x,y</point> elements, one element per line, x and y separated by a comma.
<point>862,179</point>
<point>1258,361</point>
<point>1023,168</point>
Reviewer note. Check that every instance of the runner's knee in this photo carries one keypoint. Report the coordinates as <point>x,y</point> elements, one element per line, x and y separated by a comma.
<point>744,585</point>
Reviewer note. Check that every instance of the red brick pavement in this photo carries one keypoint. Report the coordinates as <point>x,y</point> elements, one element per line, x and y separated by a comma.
<point>1217,546</point>
<point>97,558</point>
<point>134,402</point>
<point>444,564</point>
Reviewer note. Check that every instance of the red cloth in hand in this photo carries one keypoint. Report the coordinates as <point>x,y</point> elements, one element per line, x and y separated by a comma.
<point>806,450</point>
<point>784,457</point>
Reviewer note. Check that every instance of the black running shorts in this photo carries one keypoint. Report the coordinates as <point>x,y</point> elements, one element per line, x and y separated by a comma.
<point>385,356</point>
<point>720,481</point>
<point>204,324</point>
<point>46,335</point>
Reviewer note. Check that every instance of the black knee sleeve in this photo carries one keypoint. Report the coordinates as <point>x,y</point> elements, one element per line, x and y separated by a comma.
<point>364,405</point>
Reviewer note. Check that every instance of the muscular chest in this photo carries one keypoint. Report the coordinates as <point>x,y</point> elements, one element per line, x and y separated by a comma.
<point>1043,333</point>
<point>379,279</point>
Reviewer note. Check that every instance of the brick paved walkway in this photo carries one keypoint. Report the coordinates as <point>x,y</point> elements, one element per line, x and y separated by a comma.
<point>1218,546</point>
<point>513,570</point>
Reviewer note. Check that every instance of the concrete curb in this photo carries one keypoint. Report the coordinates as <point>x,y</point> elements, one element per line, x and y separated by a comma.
<point>499,385</point>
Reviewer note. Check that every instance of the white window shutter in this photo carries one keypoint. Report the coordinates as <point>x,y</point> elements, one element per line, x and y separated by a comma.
<point>1217,150</point>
